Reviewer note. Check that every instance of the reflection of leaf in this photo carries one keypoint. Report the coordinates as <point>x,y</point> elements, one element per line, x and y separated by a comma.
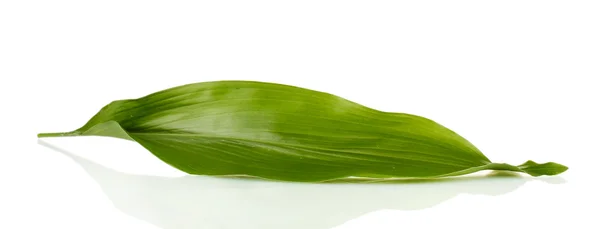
<point>233,203</point>
<point>288,133</point>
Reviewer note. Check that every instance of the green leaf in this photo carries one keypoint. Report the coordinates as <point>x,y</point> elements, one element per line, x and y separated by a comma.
<point>283,132</point>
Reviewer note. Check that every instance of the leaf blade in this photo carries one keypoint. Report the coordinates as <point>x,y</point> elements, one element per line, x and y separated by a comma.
<point>287,133</point>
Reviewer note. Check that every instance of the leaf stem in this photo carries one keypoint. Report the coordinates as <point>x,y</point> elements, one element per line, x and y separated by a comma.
<point>59,134</point>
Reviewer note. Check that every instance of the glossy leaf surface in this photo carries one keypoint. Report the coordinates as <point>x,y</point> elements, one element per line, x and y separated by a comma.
<point>283,132</point>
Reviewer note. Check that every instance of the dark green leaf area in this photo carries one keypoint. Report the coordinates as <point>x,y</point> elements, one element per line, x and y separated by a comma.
<point>220,156</point>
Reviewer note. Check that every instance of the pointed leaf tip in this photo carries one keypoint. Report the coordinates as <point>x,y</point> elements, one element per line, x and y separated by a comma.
<point>549,168</point>
<point>59,134</point>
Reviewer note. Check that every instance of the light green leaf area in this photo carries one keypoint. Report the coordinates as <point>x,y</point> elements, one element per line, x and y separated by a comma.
<point>289,133</point>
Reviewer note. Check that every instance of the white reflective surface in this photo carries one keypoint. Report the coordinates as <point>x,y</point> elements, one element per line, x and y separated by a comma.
<point>231,203</point>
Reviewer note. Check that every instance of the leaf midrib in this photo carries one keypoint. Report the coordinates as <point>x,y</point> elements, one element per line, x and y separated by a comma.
<point>314,148</point>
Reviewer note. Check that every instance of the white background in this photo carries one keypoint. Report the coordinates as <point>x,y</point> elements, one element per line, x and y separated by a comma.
<point>519,79</point>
